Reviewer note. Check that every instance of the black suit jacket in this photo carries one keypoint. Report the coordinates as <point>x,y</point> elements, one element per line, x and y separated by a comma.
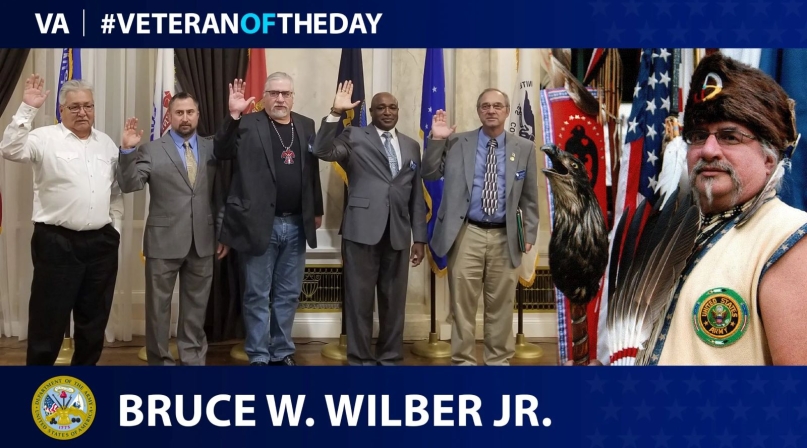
<point>249,210</point>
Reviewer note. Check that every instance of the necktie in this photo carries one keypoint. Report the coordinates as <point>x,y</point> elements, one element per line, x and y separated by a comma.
<point>190,161</point>
<point>490,192</point>
<point>393,161</point>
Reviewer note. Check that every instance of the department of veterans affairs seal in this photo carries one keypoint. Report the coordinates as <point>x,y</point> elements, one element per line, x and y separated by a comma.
<point>720,317</point>
<point>63,407</point>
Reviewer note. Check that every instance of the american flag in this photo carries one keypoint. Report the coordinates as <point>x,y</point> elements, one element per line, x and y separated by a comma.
<point>641,158</point>
<point>49,406</point>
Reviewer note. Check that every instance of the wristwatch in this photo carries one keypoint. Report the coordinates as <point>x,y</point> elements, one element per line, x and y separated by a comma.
<point>335,112</point>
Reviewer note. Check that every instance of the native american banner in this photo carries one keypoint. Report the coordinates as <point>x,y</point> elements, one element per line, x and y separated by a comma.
<point>566,126</point>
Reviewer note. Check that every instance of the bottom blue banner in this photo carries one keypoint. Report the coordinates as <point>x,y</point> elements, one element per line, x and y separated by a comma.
<point>406,406</point>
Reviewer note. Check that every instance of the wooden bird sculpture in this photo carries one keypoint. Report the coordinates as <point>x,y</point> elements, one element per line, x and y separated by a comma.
<point>578,246</point>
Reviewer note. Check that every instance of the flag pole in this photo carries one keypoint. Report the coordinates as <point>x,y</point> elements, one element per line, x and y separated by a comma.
<point>338,350</point>
<point>522,122</point>
<point>524,349</point>
<point>66,352</point>
<point>432,348</point>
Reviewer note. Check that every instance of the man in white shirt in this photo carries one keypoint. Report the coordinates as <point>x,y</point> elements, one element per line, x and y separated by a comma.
<point>385,213</point>
<point>77,212</point>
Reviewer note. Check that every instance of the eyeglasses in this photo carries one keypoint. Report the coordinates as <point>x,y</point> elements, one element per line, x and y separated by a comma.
<point>276,93</point>
<point>725,137</point>
<point>76,108</point>
<point>495,106</point>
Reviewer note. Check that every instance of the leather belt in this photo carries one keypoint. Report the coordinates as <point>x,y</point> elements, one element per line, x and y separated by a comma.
<point>488,225</point>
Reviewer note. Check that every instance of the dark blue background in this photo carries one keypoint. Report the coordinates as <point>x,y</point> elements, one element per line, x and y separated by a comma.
<point>428,23</point>
<point>589,406</point>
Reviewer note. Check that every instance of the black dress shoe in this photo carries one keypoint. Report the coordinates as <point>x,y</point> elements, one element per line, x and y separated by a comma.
<point>287,361</point>
<point>259,363</point>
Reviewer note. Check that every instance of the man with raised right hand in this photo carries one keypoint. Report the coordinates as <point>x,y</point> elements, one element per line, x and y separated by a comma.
<point>273,208</point>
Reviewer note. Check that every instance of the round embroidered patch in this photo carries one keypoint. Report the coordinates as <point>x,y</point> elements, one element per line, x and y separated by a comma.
<point>720,317</point>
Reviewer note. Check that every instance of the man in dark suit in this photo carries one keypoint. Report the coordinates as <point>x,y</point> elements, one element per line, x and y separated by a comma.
<point>385,210</point>
<point>273,208</point>
<point>180,238</point>
<point>489,174</point>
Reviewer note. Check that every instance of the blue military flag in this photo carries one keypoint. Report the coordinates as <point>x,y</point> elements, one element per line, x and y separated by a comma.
<point>434,99</point>
<point>70,68</point>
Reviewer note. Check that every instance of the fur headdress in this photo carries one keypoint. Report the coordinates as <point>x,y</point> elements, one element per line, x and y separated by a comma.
<point>723,89</point>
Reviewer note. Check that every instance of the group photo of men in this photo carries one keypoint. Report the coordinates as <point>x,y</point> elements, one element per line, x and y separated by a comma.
<point>649,203</point>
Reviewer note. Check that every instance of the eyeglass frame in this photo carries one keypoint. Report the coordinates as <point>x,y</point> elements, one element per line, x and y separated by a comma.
<point>277,93</point>
<point>495,106</point>
<point>76,108</point>
<point>728,131</point>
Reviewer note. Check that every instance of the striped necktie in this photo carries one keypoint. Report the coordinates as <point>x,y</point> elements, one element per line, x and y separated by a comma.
<point>490,192</point>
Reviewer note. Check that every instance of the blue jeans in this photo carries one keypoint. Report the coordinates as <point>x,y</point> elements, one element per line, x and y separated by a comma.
<point>277,274</point>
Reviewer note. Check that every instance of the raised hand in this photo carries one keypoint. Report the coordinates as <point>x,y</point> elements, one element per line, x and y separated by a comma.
<point>131,137</point>
<point>33,94</point>
<point>344,93</point>
<point>440,128</point>
<point>238,104</point>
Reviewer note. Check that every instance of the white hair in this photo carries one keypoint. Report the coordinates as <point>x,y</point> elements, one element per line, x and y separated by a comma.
<point>73,85</point>
<point>278,76</point>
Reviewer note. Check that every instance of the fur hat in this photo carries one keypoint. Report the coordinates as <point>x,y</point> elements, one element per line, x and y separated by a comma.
<point>723,89</point>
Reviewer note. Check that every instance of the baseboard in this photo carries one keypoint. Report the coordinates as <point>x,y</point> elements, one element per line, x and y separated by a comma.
<point>536,325</point>
<point>326,325</point>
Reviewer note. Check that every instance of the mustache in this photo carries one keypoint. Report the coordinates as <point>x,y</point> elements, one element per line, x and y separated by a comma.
<point>703,165</point>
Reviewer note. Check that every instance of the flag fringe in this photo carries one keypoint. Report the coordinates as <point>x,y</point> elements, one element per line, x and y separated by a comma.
<point>340,171</point>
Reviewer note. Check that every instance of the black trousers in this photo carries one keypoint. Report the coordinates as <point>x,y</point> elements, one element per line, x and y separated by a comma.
<point>73,272</point>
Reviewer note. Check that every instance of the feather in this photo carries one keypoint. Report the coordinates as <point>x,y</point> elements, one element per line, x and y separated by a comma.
<point>665,243</point>
<point>768,193</point>
<point>673,169</point>
<point>562,77</point>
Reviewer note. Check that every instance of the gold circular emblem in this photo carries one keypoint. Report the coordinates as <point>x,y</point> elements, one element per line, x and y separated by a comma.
<point>720,317</point>
<point>63,407</point>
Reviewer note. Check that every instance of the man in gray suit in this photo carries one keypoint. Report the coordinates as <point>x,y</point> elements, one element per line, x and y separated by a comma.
<point>488,175</point>
<point>180,236</point>
<point>385,212</point>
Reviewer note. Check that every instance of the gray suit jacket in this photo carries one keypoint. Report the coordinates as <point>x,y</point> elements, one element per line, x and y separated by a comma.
<point>453,159</point>
<point>374,196</point>
<point>178,213</point>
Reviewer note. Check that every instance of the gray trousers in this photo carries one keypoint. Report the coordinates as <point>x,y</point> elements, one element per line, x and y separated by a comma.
<point>195,279</point>
<point>367,268</point>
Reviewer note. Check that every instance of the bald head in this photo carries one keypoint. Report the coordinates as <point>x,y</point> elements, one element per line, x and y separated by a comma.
<point>384,111</point>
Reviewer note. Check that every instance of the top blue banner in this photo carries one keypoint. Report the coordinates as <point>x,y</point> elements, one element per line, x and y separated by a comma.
<point>416,23</point>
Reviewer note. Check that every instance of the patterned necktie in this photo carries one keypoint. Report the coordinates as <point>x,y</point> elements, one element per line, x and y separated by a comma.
<point>490,192</point>
<point>190,161</point>
<point>393,161</point>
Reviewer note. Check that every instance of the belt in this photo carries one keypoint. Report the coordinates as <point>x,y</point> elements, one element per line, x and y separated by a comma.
<point>488,225</point>
<point>284,215</point>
